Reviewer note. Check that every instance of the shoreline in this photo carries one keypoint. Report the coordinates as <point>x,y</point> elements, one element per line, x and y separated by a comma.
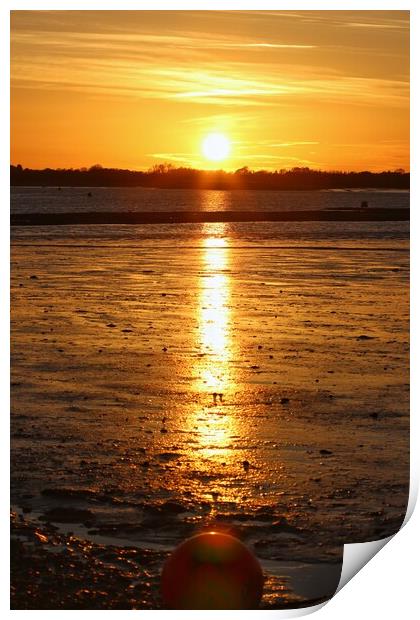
<point>51,569</point>
<point>190,217</point>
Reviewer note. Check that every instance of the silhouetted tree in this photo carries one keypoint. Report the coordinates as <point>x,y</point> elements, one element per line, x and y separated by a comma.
<point>167,175</point>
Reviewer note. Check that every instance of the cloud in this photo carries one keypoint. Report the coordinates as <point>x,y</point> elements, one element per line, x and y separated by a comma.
<point>371,25</point>
<point>272,158</point>
<point>296,143</point>
<point>137,42</point>
<point>269,161</point>
<point>271,46</point>
<point>386,19</point>
<point>179,157</point>
<point>224,120</point>
<point>239,84</point>
<point>195,67</point>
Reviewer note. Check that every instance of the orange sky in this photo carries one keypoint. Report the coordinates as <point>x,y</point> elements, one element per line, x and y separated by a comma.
<point>129,89</point>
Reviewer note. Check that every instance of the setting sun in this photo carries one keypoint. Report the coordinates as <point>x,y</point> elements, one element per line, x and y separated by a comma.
<point>216,147</point>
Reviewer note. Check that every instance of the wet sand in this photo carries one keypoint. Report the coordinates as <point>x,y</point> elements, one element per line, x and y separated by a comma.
<point>161,390</point>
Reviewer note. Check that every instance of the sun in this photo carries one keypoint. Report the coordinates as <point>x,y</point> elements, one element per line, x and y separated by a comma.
<point>216,147</point>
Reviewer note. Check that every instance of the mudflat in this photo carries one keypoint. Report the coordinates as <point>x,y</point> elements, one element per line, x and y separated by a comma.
<point>207,381</point>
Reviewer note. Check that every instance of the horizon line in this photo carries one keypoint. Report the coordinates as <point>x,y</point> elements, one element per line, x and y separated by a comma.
<point>246,169</point>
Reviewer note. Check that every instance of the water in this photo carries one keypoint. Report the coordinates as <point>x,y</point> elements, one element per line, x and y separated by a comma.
<point>250,377</point>
<point>108,199</point>
<point>76,199</point>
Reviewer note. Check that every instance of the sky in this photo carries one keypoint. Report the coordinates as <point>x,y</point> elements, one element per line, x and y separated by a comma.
<point>131,89</point>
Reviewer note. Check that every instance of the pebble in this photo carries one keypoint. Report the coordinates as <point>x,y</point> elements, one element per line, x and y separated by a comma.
<point>43,539</point>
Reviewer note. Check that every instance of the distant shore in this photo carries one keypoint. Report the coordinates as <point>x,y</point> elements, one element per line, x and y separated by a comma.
<point>166,176</point>
<point>188,217</point>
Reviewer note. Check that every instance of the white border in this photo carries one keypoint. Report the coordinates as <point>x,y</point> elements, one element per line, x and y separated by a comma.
<point>388,585</point>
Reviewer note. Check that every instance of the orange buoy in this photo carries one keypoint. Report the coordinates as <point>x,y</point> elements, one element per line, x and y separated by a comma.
<point>212,571</point>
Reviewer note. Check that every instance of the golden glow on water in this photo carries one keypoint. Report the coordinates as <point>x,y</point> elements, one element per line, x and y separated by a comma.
<point>214,311</point>
<point>214,435</point>
<point>215,378</point>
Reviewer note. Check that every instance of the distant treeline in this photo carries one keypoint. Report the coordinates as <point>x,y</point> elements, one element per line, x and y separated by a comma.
<point>168,176</point>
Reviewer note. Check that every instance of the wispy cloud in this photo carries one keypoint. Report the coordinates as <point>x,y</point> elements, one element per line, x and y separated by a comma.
<point>386,19</point>
<point>270,46</point>
<point>273,158</point>
<point>286,144</point>
<point>181,67</point>
<point>218,87</point>
<point>178,157</point>
<point>373,26</point>
<point>265,160</point>
<point>136,41</point>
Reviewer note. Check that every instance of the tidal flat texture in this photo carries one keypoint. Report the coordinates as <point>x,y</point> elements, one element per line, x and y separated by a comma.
<point>246,378</point>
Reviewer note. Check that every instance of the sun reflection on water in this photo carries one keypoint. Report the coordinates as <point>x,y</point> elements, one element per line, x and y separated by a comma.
<point>215,377</point>
<point>214,311</point>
